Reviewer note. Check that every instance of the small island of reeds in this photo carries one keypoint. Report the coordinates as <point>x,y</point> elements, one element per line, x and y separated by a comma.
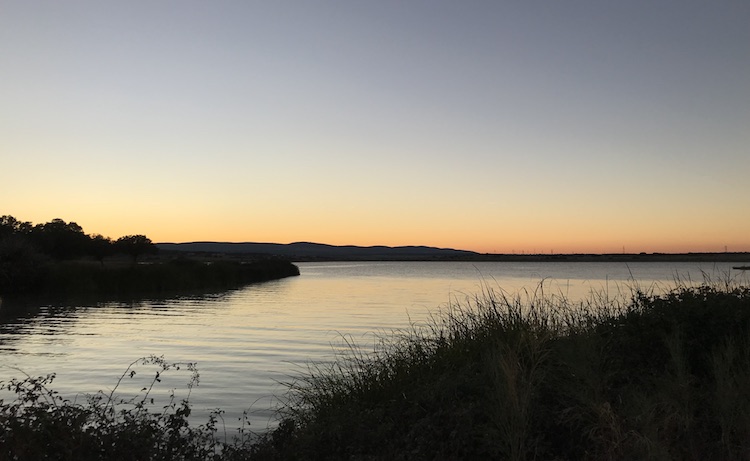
<point>657,376</point>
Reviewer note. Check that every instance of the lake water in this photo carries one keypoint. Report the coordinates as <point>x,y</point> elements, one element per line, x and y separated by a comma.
<point>245,342</point>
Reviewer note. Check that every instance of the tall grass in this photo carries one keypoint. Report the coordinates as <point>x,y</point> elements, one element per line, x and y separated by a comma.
<point>639,375</point>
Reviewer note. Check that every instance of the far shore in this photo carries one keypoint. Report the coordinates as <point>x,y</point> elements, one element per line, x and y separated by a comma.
<point>316,252</point>
<point>740,257</point>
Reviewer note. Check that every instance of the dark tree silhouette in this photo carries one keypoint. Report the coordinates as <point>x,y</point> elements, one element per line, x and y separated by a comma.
<point>28,252</point>
<point>20,264</point>
<point>135,245</point>
<point>100,247</point>
<point>59,239</point>
<point>11,226</point>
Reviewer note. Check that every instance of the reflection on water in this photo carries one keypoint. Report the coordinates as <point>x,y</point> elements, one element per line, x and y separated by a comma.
<point>246,341</point>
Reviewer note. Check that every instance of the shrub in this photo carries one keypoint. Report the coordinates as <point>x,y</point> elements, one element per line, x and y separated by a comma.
<point>41,424</point>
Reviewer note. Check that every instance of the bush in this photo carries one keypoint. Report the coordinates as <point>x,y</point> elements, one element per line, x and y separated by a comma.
<point>40,424</point>
<point>21,265</point>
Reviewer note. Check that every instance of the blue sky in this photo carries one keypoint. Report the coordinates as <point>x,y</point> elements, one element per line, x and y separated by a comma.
<point>492,126</point>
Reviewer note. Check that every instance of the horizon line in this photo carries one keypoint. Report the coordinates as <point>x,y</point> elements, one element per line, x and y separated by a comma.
<point>514,253</point>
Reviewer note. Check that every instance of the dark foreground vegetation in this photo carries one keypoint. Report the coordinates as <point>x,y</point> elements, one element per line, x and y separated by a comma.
<point>648,377</point>
<point>58,259</point>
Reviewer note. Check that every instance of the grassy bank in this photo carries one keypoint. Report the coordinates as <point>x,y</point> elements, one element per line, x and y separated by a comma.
<point>523,377</point>
<point>66,278</point>
<point>650,377</point>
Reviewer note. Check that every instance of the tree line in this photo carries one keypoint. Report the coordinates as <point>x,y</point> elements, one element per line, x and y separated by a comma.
<point>27,251</point>
<point>62,240</point>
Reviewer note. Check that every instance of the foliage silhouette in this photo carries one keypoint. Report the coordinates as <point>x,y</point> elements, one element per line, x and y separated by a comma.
<point>651,377</point>
<point>55,258</point>
<point>135,245</point>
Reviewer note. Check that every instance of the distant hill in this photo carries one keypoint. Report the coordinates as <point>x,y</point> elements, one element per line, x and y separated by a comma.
<point>302,251</point>
<point>305,251</point>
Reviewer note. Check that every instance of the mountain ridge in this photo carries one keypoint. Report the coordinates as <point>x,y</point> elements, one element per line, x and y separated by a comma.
<point>312,250</point>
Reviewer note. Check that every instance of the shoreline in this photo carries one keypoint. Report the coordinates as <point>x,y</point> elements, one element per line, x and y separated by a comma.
<point>739,258</point>
<point>64,279</point>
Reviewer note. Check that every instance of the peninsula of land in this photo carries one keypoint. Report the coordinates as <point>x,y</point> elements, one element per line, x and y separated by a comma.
<point>58,259</point>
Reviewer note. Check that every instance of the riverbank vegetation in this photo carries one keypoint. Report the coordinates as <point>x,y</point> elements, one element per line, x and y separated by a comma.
<point>69,279</point>
<point>647,376</point>
<point>58,259</point>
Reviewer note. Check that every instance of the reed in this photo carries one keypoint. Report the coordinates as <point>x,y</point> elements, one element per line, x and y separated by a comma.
<point>531,376</point>
<point>69,278</point>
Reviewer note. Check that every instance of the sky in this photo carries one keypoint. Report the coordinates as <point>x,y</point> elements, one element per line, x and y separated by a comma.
<point>493,126</point>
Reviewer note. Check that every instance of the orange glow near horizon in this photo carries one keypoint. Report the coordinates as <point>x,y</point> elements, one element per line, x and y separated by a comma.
<point>178,228</point>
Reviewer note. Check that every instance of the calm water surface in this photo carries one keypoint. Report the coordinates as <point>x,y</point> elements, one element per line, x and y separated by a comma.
<point>245,342</point>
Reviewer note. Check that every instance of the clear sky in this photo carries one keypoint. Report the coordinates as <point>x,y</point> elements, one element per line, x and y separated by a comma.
<point>495,126</point>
